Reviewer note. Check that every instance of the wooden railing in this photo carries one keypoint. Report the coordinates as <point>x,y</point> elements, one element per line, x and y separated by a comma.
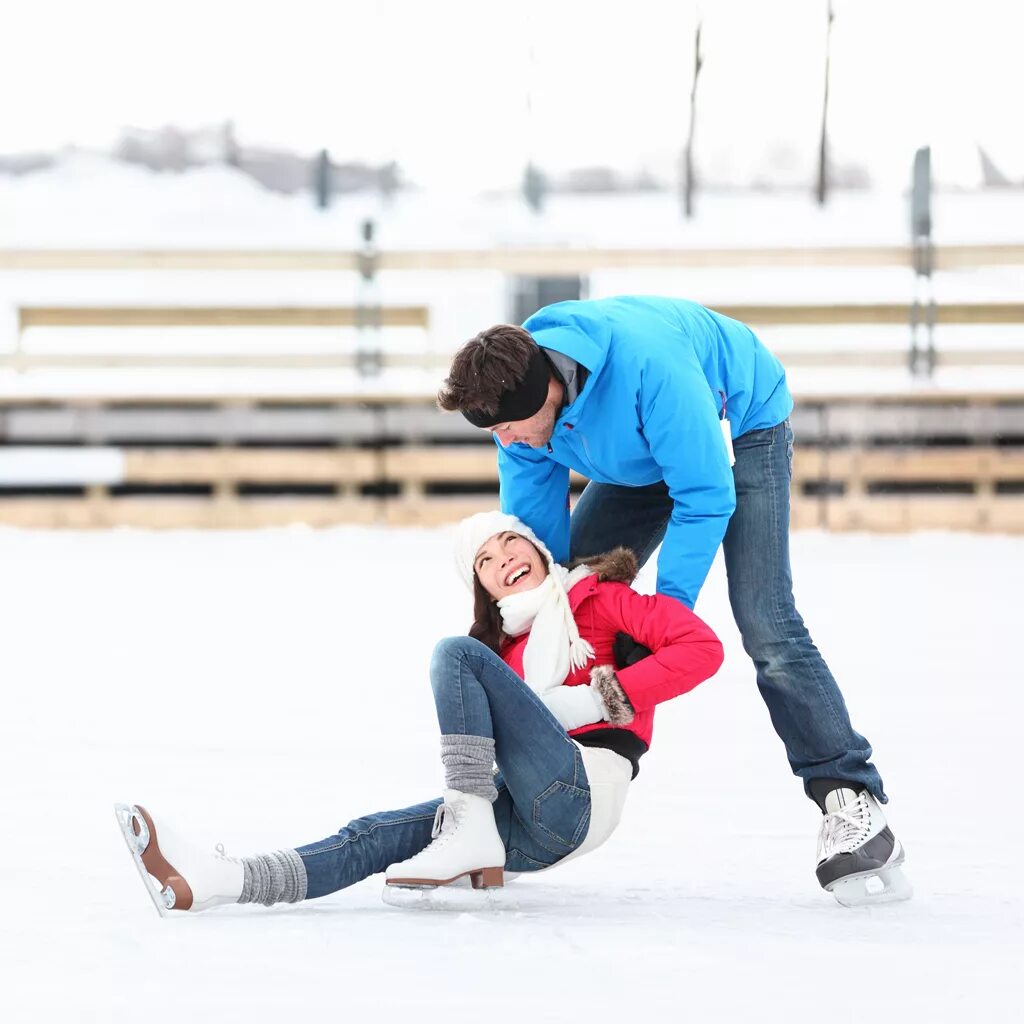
<point>218,316</point>
<point>517,260</point>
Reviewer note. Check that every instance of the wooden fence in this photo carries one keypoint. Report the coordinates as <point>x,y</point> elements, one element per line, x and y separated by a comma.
<point>887,463</point>
<point>922,458</point>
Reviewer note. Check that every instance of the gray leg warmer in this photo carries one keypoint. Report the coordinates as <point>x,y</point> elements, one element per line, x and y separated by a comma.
<point>278,877</point>
<point>468,765</point>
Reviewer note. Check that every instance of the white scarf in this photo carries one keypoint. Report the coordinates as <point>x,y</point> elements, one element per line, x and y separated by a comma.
<point>555,643</point>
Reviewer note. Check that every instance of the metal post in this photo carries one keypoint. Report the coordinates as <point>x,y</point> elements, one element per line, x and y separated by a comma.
<point>688,184</point>
<point>369,358</point>
<point>922,362</point>
<point>822,187</point>
<point>323,179</point>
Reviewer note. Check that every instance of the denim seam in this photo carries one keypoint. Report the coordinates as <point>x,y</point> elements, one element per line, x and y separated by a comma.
<point>462,701</point>
<point>368,831</point>
<point>532,833</point>
<point>533,860</point>
<point>584,818</point>
<point>777,614</point>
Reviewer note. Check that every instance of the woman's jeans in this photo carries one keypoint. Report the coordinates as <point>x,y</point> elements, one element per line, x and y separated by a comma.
<point>543,805</point>
<point>803,699</point>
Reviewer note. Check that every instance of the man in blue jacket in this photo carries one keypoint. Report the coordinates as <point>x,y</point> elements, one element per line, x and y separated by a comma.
<point>678,417</point>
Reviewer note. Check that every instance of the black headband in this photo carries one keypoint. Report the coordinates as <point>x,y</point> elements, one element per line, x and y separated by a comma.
<point>522,400</point>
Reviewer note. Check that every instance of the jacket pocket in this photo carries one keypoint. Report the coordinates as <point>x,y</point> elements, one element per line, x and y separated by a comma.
<point>562,812</point>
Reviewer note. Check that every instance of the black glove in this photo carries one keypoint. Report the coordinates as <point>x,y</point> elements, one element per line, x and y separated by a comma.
<point>628,651</point>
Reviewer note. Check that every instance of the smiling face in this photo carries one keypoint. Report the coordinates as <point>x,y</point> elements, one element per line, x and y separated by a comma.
<point>509,564</point>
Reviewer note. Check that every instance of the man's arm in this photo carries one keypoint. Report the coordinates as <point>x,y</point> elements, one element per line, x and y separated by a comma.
<point>536,489</point>
<point>680,421</point>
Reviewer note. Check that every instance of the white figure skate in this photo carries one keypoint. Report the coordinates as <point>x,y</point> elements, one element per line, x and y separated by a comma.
<point>859,858</point>
<point>177,874</point>
<point>465,844</point>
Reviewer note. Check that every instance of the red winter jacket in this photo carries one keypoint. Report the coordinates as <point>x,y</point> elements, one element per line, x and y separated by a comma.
<point>685,650</point>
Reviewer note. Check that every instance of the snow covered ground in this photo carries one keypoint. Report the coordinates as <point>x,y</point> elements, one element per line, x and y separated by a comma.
<point>263,688</point>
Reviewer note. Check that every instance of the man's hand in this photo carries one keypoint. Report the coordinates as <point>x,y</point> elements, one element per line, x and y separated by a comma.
<point>628,651</point>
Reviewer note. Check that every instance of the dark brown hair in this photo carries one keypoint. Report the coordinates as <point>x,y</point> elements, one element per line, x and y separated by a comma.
<point>487,366</point>
<point>486,618</point>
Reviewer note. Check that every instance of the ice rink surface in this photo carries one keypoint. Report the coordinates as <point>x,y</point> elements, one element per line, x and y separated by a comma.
<point>263,688</point>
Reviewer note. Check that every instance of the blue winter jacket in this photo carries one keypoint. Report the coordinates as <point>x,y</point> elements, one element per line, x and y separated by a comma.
<point>660,370</point>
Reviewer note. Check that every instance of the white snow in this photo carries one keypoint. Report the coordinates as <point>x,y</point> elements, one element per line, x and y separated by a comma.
<point>88,201</point>
<point>26,467</point>
<point>263,688</point>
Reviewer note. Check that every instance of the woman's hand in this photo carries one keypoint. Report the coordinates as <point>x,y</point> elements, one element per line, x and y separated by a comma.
<point>575,706</point>
<point>600,700</point>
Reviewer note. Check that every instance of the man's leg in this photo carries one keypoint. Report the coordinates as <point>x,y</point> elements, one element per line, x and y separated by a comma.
<point>607,516</point>
<point>804,701</point>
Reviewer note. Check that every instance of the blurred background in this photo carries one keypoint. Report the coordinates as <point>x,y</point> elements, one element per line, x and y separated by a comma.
<point>240,242</point>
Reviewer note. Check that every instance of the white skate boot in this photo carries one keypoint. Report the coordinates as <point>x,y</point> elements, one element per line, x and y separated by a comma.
<point>177,874</point>
<point>859,858</point>
<point>465,843</point>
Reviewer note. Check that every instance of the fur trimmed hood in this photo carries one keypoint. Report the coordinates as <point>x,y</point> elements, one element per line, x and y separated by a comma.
<point>615,566</point>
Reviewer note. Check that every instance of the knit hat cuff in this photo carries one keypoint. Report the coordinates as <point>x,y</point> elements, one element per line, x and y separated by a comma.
<point>471,533</point>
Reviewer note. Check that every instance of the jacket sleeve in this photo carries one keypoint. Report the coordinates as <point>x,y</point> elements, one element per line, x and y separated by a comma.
<point>680,421</point>
<point>684,649</point>
<point>536,489</point>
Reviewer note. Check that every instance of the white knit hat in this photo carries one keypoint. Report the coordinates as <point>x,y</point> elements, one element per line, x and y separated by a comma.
<point>472,533</point>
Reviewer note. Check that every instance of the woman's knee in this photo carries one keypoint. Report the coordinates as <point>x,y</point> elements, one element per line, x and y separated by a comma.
<point>456,648</point>
<point>449,651</point>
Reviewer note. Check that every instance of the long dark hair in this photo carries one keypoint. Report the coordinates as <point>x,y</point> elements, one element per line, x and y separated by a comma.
<point>486,618</point>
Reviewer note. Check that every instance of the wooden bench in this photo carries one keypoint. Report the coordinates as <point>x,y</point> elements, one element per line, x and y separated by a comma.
<point>760,315</point>
<point>120,317</point>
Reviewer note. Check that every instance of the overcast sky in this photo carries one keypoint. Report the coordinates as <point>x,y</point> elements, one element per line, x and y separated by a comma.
<point>464,91</point>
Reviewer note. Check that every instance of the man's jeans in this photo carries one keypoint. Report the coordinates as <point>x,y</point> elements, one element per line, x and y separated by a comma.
<point>543,805</point>
<point>803,699</point>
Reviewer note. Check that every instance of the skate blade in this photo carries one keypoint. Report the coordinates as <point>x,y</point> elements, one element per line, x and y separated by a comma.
<point>127,817</point>
<point>457,897</point>
<point>887,885</point>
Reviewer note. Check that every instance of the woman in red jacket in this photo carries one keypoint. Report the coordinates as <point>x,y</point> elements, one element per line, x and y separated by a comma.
<point>532,688</point>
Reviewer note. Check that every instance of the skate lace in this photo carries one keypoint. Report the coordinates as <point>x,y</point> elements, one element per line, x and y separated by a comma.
<point>219,850</point>
<point>439,834</point>
<point>842,831</point>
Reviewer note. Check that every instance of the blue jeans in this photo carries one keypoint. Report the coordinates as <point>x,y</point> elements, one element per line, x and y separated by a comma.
<point>543,805</point>
<point>804,701</point>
